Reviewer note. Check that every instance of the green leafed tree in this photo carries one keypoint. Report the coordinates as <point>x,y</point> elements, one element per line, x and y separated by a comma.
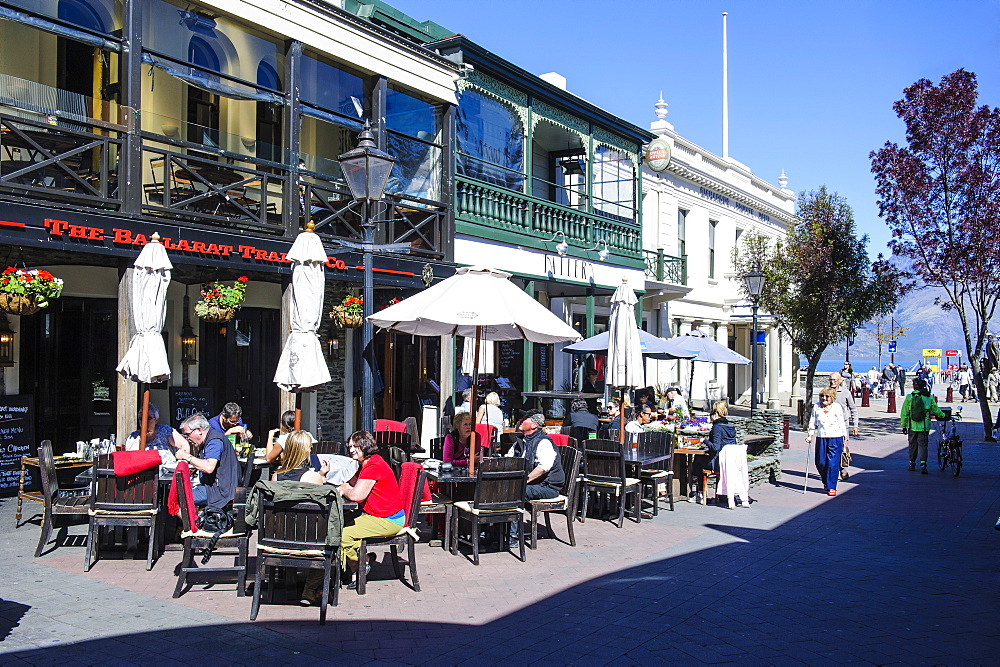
<point>940,195</point>
<point>819,283</point>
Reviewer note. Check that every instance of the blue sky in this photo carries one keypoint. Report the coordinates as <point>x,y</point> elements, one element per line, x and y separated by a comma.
<point>811,84</point>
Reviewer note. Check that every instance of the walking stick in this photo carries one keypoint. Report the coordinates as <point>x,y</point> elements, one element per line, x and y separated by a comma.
<point>805,481</point>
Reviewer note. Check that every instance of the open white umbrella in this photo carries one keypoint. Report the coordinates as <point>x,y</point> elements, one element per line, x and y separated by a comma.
<point>480,303</point>
<point>302,366</point>
<point>146,357</point>
<point>705,349</point>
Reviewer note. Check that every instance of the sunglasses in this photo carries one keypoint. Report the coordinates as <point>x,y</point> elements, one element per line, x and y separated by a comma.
<point>187,434</point>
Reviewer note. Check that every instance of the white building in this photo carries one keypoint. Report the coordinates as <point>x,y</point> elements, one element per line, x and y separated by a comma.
<point>694,212</point>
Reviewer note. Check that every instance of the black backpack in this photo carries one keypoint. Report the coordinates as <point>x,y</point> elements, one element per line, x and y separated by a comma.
<point>214,521</point>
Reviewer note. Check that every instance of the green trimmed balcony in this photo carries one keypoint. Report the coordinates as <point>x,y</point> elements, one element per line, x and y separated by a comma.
<point>665,268</point>
<point>487,211</point>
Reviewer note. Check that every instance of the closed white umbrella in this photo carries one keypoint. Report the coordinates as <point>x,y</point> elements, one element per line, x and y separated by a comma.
<point>146,357</point>
<point>625,366</point>
<point>486,355</point>
<point>479,303</point>
<point>302,366</point>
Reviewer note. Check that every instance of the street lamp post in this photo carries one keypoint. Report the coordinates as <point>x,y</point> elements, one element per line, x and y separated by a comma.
<point>754,282</point>
<point>366,170</point>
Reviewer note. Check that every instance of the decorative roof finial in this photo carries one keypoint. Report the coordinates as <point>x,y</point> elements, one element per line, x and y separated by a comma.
<point>783,180</point>
<point>661,108</point>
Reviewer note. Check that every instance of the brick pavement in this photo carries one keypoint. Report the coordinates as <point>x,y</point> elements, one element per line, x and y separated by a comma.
<point>898,568</point>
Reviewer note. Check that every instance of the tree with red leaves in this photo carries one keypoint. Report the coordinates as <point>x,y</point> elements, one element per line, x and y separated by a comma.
<point>940,196</point>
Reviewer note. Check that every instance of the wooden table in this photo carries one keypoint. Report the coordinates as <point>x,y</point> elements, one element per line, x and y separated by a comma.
<point>689,454</point>
<point>61,463</point>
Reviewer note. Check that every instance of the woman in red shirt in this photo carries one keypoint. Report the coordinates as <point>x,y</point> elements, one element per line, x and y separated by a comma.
<point>375,490</point>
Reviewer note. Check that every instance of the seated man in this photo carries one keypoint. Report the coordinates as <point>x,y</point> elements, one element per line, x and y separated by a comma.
<point>215,459</point>
<point>545,473</point>
<point>158,436</point>
<point>229,421</point>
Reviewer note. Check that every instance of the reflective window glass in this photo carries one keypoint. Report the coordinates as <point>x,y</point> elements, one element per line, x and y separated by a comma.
<point>332,88</point>
<point>490,141</point>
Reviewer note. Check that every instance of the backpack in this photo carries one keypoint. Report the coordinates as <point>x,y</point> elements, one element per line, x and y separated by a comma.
<point>918,410</point>
<point>217,522</point>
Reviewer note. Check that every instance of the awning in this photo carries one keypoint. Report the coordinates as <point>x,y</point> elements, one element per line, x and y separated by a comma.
<point>199,79</point>
<point>57,29</point>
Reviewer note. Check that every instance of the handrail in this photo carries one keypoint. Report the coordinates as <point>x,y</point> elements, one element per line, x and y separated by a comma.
<point>665,268</point>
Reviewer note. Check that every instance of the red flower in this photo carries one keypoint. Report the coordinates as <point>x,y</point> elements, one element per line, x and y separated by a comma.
<point>45,275</point>
<point>9,270</point>
<point>242,279</point>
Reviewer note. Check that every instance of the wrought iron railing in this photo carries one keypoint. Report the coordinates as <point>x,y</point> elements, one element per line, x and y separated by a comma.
<point>665,268</point>
<point>68,161</point>
<point>501,209</point>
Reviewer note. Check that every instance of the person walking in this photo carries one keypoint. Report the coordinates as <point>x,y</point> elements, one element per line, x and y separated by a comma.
<point>828,424</point>
<point>915,418</point>
<point>964,382</point>
<point>993,385</point>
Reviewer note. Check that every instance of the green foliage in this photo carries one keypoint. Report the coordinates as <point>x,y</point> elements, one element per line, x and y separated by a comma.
<point>819,284</point>
<point>220,295</point>
<point>37,284</point>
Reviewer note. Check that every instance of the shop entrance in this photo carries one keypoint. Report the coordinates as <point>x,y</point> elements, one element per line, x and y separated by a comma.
<point>238,359</point>
<point>68,358</point>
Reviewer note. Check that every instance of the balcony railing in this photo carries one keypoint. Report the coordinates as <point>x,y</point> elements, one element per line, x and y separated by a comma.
<point>665,268</point>
<point>69,161</point>
<point>505,210</point>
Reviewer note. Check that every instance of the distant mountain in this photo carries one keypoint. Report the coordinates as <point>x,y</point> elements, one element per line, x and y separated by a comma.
<point>929,327</point>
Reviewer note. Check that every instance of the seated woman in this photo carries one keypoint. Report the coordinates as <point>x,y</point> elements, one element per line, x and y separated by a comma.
<point>297,463</point>
<point>158,436</point>
<point>375,490</point>
<point>276,436</point>
<point>734,475</point>
<point>456,443</point>
<point>580,415</point>
<point>490,413</point>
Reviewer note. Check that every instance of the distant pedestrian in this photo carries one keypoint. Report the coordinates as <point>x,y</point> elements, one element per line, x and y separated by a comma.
<point>846,401</point>
<point>828,425</point>
<point>873,382</point>
<point>915,418</point>
<point>965,382</point>
<point>993,385</point>
<point>888,377</point>
<point>901,379</point>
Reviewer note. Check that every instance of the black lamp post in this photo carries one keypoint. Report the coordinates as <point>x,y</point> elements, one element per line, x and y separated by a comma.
<point>754,282</point>
<point>366,170</point>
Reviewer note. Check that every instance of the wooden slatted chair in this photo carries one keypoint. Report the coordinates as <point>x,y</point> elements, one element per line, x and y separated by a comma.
<point>293,534</point>
<point>57,502</point>
<point>564,502</point>
<point>604,474</point>
<point>411,488</point>
<point>194,540</point>
<point>128,501</point>
<point>397,457</point>
<point>389,425</point>
<point>652,478</point>
<point>499,498</point>
<point>387,439</point>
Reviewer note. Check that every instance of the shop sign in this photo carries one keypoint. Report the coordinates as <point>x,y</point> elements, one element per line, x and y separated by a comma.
<point>658,154</point>
<point>931,352</point>
<point>952,353</point>
<point>17,439</point>
<point>569,268</point>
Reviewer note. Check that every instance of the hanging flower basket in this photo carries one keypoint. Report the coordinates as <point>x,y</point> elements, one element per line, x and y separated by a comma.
<point>348,319</point>
<point>220,302</point>
<point>25,292</point>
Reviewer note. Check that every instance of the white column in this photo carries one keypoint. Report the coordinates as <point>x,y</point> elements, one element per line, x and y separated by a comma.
<point>773,402</point>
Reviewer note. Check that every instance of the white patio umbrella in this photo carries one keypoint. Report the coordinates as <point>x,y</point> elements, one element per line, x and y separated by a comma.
<point>705,349</point>
<point>480,303</point>
<point>302,367</point>
<point>625,365</point>
<point>146,357</point>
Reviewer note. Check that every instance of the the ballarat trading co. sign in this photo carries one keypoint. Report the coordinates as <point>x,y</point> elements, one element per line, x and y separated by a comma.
<point>17,438</point>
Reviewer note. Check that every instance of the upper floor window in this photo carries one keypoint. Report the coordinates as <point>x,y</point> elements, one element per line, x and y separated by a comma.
<point>332,88</point>
<point>100,16</point>
<point>614,184</point>
<point>712,224</point>
<point>490,141</point>
<point>414,138</point>
<point>681,232</point>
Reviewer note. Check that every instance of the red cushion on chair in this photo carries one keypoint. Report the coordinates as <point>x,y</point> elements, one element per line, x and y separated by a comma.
<point>559,439</point>
<point>129,463</point>
<point>173,501</point>
<point>407,481</point>
<point>390,425</point>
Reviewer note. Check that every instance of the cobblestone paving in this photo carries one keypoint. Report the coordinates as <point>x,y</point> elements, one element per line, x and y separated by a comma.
<point>898,568</point>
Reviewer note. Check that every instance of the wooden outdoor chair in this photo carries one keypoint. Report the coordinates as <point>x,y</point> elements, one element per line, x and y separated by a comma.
<point>499,498</point>
<point>437,448</point>
<point>129,501</point>
<point>397,457</point>
<point>387,439</point>
<point>293,534</point>
<point>194,540</point>
<point>604,474</point>
<point>579,433</point>
<point>57,502</point>
<point>411,488</point>
<point>661,473</point>
<point>329,447</point>
<point>564,502</point>
<point>389,425</point>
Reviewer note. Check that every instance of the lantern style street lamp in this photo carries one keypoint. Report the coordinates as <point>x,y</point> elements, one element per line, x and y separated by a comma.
<point>366,170</point>
<point>754,282</point>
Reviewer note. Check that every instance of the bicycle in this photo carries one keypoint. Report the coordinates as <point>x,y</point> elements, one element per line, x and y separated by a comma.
<point>949,452</point>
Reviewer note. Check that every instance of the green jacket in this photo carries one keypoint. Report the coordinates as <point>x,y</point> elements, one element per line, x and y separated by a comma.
<point>277,492</point>
<point>930,404</point>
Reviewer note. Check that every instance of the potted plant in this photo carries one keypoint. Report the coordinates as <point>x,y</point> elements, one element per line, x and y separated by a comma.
<point>26,291</point>
<point>219,301</point>
<point>350,313</point>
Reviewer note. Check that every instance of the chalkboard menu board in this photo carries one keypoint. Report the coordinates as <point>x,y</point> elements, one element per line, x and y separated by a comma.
<point>186,401</point>
<point>17,438</point>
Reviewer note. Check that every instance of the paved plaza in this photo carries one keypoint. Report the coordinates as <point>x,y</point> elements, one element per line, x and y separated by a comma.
<point>898,568</point>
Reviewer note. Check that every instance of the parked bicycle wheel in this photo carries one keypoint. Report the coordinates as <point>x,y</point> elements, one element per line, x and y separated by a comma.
<point>942,453</point>
<point>956,459</point>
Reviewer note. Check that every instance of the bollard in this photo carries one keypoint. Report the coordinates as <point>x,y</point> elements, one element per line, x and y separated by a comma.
<point>950,397</point>
<point>891,408</point>
<point>864,398</point>
<point>785,421</point>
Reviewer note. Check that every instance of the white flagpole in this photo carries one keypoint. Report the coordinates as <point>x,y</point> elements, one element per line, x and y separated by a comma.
<point>725,88</point>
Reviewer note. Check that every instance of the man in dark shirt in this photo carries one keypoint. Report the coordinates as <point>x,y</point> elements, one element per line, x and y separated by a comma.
<point>214,458</point>
<point>230,421</point>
